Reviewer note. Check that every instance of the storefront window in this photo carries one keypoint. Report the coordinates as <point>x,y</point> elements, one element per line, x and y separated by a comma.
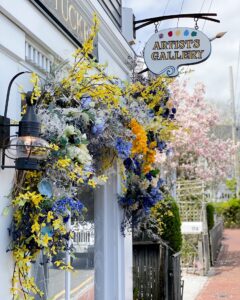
<point>51,280</point>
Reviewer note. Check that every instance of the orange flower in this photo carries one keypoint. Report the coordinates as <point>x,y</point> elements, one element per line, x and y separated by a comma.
<point>149,159</point>
<point>139,145</point>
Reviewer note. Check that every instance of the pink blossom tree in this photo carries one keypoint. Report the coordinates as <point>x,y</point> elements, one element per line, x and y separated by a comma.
<point>198,153</point>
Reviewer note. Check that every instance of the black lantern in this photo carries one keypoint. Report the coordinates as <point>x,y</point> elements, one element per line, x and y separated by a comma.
<point>27,148</point>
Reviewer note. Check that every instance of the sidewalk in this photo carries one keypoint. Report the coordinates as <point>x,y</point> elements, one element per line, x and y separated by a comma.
<point>223,281</point>
<point>193,284</point>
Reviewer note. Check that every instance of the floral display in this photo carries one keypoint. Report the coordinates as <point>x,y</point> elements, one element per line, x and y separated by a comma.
<point>90,120</point>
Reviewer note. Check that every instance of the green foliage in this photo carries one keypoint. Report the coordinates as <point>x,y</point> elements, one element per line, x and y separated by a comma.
<point>166,213</point>
<point>210,215</point>
<point>135,293</point>
<point>232,185</point>
<point>230,211</point>
<point>189,249</point>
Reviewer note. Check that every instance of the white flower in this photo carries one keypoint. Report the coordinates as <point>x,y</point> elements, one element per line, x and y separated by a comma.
<point>83,155</point>
<point>69,130</point>
<point>144,184</point>
<point>80,153</point>
<point>72,151</point>
<point>154,182</point>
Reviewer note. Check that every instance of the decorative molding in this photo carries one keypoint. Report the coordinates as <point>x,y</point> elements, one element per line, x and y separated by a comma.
<point>37,58</point>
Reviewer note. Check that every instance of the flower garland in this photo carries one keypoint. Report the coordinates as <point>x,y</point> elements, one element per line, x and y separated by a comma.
<point>89,121</point>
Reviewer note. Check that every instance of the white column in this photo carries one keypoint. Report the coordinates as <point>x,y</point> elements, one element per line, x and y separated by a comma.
<point>6,260</point>
<point>113,252</point>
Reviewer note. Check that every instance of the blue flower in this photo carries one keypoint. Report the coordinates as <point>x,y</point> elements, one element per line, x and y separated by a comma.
<point>123,148</point>
<point>126,201</point>
<point>137,167</point>
<point>160,183</point>
<point>149,176</point>
<point>151,113</point>
<point>85,102</point>
<point>153,92</point>
<point>150,199</point>
<point>98,129</point>
<point>156,195</point>
<point>166,113</point>
<point>174,110</point>
<point>133,165</point>
<point>64,205</point>
<point>128,163</point>
<point>161,145</point>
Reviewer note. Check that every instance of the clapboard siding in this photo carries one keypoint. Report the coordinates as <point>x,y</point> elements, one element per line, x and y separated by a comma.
<point>114,9</point>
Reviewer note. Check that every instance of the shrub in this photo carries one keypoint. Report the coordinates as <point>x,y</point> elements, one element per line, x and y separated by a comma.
<point>210,215</point>
<point>230,211</point>
<point>166,213</point>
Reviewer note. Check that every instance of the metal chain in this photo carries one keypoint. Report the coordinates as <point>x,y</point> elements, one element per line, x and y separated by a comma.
<point>156,26</point>
<point>196,23</point>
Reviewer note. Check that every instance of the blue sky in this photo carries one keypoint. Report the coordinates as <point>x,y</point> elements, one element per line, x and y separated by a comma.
<point>214,73</point>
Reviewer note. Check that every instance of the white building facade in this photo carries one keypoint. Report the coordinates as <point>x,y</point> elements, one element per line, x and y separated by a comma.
<point>32,35</point>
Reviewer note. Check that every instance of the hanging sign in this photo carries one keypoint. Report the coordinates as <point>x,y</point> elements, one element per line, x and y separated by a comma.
<point>169,49</point>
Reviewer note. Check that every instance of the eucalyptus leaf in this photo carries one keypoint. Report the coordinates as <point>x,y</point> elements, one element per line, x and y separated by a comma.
<point>45,188</point>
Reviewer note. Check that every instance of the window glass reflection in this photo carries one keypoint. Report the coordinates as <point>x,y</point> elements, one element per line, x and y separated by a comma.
<point>51,279</point>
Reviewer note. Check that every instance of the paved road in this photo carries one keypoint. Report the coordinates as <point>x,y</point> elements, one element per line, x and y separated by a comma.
<point>80,280</point>
<point>223,282</point>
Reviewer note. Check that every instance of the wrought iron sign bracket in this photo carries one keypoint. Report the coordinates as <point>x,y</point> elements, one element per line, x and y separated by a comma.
<point>138,24</point>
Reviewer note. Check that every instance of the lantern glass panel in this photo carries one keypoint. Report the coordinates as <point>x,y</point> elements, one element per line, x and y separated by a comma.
<point>28,147</point>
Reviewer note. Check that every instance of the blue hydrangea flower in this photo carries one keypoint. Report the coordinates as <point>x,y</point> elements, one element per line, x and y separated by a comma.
<point>151,113</point>
<point>150,199</point>
<point>126,201</point>
<point>161,145</point>
<point>98,129</point>
<point>123,148</point>
<point>160,183</point>
<point>64,205</point>
<point>149,176</point>
<point>132,165</point>
<point>85,102</point>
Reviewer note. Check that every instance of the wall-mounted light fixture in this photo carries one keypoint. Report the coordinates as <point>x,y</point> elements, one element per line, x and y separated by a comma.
<point>27,148</point>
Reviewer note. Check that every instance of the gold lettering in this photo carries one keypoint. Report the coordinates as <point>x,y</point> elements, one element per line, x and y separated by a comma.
<point>177,56</point>
<point>181,44</point>
<point>196,43</point>
<point>193,54</point>
<point>163,56</point>
<point>155,56</point>
<point>73,20</point>
<point>80,26</point>
<point>171,44</point>
<point>200,52</point>
<point>186,54</point>
<point>170,56</point>
<point>156,46</point>
<point>188,43</point>
<point>164,45</point>
<point>56,5</point>
<point>65,11</point>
